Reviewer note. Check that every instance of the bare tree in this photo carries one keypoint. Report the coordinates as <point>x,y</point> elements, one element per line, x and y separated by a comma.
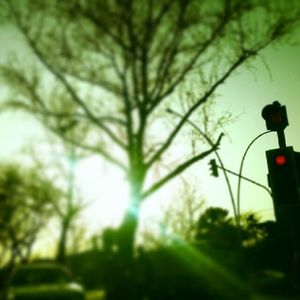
<point>182,216</point>
<point>108,69</point>
<point>179,220</point>
<point>59,168</point>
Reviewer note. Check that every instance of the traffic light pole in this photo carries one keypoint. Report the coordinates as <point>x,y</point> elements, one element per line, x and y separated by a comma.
<point>281,139</point>
<point>241,170</point>
<point>247,179</point>
<point>283,177</point>
<point>210,142</point>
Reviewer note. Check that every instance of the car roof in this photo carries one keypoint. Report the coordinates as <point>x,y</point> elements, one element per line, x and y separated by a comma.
<point>43,265</point>
<point>21,268</point>
<point>40,265</point>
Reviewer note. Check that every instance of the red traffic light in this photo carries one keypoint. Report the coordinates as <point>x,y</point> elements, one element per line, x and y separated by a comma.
<point>280,160</point>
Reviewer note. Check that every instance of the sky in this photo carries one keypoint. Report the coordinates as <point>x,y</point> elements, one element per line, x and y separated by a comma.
<point>248,93</point>
<point>244,95</point>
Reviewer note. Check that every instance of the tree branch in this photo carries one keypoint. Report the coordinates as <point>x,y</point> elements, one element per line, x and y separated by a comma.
<point>92,149</point>
<point>74,96</point>
<point>105,29</point>
<point>169,54</point>
<point>179,169</point>
<point>199,102</point>
<point>157,94</point>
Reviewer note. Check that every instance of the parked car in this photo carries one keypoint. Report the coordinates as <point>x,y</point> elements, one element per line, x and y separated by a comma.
<point>43,281</point>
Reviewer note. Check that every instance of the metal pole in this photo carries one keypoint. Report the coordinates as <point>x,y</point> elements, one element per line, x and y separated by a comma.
<point>241,171</point>
<point>210,142</point>
<point>281,139</point>
<point>247,179</point>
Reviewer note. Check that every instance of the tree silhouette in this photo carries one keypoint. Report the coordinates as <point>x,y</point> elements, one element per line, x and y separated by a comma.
<point>243,248</point>
<point>107,70</point>
<point>216,228</point>
<point>24,209</point>
<point>60,169</point>
<point>181,216</point>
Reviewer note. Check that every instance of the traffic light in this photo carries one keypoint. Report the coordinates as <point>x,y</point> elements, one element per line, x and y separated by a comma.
<point>283,176</point>
<point>213,168</point>
<point>275,116</point>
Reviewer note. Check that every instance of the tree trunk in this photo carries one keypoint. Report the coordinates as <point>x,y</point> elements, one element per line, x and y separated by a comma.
<point>123,286</point>
<point>126,234</point>
<point>128,228</point>
<point>61,249</point>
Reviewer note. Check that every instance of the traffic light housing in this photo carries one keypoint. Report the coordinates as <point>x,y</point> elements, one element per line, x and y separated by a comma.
<point>213,168</point>
<point>283,177</point>
<point>275,116</point>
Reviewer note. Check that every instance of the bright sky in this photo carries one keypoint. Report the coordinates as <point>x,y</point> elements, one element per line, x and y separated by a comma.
<point>245,94</point>
<point>248,94</point>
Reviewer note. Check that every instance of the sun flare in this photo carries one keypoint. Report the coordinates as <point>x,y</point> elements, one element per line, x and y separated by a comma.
<point>105,191</point>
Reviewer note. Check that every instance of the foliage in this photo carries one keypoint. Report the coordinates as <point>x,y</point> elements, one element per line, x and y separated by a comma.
<point>217,228</point>
<point>250,247</point>
<point>26,207</point>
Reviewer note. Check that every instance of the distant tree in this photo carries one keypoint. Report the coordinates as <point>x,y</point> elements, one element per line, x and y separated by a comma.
<point>252,229</point>
<point>264,250</point>
<point>25,209</point>
<point>60,169</point>
<point>217,228</point>
<point>114,66</point>
<point>244,247</point>
<point>181,216</point>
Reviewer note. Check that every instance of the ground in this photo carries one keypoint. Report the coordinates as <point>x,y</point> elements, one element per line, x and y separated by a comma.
<point>95,295</point>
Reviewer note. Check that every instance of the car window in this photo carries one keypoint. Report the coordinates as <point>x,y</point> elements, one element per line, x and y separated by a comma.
<point>38,276</point>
